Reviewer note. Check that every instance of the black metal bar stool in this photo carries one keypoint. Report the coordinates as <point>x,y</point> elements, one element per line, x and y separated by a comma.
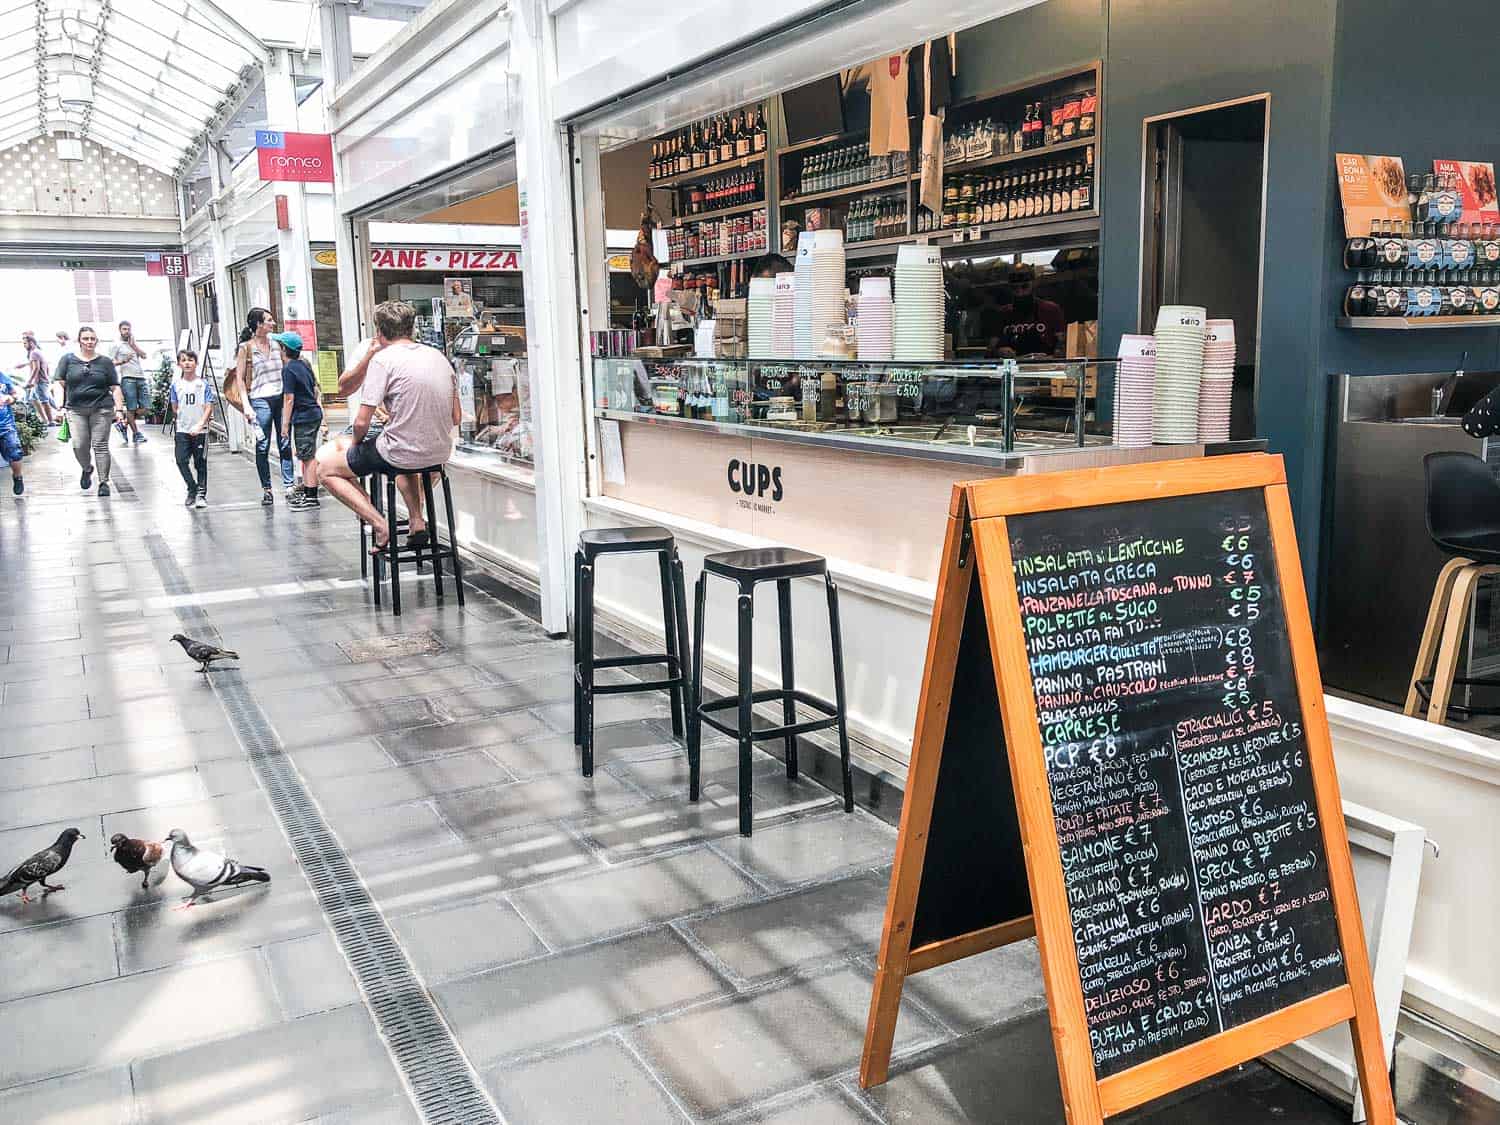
<point>399,548</point>
<point>745,569</point>
<point>619,541</point>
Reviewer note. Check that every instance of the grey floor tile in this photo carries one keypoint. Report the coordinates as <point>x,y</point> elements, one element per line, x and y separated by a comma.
<point>47,958</point>
<point>94,1097</point>
<point>400,828</point>
<point>556,753</point>
<point>134,1016</point>
<point>21,716</point>
<point>458,940</point>
<point>589,907</point>
<point>212,816</point>
<point>433,778</point>
<point>376,719</point>
<point>729,1056</point>
<point>762,939</point>
<point>666,775</point>
<point>484,812</point>
<point>425,742</point>
<point>815,848</point>
<point>438,682</point>
<point>496,698</point>
<point>310,975</point>
<point>819,1106</point>
<point>340,758</point>
<point>396,1110</point>
<point>993,987</point>
<point>572,996</point>
<point>600,1081</point>
<point>46,769</point>
<point>69,800</point>
<point>302,1069</point>
<point>153,755</point>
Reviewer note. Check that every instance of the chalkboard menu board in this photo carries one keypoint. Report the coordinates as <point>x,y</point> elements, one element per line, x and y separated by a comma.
<point>1186,815</point>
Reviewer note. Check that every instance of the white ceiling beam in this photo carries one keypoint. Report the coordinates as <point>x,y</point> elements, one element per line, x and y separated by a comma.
<point>231,28</point>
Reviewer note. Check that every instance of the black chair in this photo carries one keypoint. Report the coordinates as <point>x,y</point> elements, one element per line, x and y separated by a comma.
<point>399,548</point>
<point>1463,518</point>
<point>621,541</point>
<point>746,569</point>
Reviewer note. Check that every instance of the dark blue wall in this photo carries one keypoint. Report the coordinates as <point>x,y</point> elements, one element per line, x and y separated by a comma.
<point>1047,38</point>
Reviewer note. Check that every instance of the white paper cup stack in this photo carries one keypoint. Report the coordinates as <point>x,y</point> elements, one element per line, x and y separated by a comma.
<point>1217,388</point>
<point>760,309</point>
<point>1135,390</point>
<point>918,336</point>
<point>1179,369</point>
<point>876,317</point>
<point>783,316</point>
<point>804,346</point>
<point>827,308</point>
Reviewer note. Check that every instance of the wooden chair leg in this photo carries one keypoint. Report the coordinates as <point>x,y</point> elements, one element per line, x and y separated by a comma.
<point>1432,633</point>
<point>1453,635</point>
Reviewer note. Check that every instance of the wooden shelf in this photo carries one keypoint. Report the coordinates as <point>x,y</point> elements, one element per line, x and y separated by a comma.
<point>853,189</point>
<point>872,243</point>
<point>1417,323</point>
<point>737,209</point>
<point>714,258</point>
<point>1076,226</point>
<point>827,139</point>
<point>699,174</point>
<point>1015,157</point>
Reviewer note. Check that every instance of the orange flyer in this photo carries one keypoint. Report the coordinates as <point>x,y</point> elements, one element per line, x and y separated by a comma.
<point>1476,183</point>
<point>1370,188</point>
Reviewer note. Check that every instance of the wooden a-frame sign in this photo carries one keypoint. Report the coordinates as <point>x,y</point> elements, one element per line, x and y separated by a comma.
<point>979,815</point>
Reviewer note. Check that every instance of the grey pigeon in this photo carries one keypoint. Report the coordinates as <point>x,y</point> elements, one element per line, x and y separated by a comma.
<point>203,652</point>
<point>137,857</point>
<point>205,871</point>
<point>48,861</point>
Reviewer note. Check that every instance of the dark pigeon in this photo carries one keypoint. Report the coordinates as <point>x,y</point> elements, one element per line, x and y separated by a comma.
<point>37,869</point>
<point>203,652</point>
<point>137,857</point>
<point>205,871</point>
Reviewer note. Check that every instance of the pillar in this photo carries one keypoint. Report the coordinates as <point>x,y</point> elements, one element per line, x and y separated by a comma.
<point>292,244</point>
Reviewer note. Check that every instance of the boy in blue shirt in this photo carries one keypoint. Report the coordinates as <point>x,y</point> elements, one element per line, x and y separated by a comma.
<point>302,417</point>
<point>193,403</point>
<point>10,438</point>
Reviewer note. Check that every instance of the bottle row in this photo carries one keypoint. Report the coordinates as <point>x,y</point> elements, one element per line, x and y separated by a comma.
<point>709,143</point>
<point>1422,293</point>
<point>1050,121</point>
<point>738,234</point>
<point>1393,244</point>
<point>727,189</point>
<point>875,216</point>
<point>1005,197</point>
<point>848,165</point>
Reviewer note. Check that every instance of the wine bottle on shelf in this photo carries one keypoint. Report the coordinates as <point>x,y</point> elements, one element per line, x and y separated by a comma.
<point>741,136</point>
<point>759,137</point>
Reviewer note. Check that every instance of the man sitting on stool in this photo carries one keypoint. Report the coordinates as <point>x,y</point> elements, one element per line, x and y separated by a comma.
<point>417,386</point>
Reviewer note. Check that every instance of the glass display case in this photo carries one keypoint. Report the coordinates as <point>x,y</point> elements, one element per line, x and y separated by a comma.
<point>993,407</point>
<point>494,390</point>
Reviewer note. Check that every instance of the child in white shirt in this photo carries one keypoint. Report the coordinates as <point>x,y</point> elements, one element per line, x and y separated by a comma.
<point>193,403</point>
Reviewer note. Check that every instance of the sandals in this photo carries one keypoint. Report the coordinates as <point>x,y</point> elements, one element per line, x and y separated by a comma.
<point>419,538</point>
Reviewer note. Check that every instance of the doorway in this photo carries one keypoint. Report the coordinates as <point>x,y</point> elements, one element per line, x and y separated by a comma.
<point>1204,226</point>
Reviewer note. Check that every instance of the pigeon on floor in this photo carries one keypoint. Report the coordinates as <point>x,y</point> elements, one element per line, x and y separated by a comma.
<point>203,652</point>
<point>48,861</point>
<point>205,871</point>
<point>137,857</point>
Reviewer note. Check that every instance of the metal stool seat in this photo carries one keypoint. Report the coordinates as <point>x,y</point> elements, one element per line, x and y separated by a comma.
<point>399,547</point>
<point>618,541</point>
<point>747,568</point>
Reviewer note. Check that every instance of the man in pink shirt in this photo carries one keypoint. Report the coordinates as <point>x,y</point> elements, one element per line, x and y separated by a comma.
<point>416,385</point>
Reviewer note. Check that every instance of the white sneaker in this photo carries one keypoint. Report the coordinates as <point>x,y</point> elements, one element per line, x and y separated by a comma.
<point>201,502</point>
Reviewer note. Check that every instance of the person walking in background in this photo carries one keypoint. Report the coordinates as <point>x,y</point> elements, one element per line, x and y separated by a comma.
<point>127,356</point>
<point>192,401</point>
<point>34,378</point>
<point>258,369</point>
<point>10,437</point>
<point>302,417</point>
<point>91,398</point>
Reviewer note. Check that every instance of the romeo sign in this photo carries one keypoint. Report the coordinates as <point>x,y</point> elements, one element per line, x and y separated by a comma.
<point>298,157</point>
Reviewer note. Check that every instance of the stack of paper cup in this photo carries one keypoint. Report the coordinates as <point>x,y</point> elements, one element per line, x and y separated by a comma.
<point>783,316</point>
<point>1135,390</point>
<point>1217,388</point>
<point>1179,370</point>
<point>760,311</point>
<point>876,313</point>
<point>804,346</point>
<point>918,305</point>
<point>828,284</point>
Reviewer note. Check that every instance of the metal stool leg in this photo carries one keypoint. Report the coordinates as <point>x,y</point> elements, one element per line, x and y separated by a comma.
<point>377,572</point>
<point>392,544</point>
<point>432,538</point>
<point>669,636</point>
<point>788,704</point>
<point>586,666</point>
<point>695,716</point>
<point>458,574</point>
<point>838,690</point>
<point>685,655</point>
<point>746,686</point>
<point>577,647</point>
<point>364,545</point>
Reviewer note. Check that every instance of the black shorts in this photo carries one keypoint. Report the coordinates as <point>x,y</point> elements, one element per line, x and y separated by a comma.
<point>363,459</point>
<point>306,437</point>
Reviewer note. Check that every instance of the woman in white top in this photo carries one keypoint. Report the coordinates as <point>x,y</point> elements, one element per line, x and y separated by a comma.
<point>258,370</point>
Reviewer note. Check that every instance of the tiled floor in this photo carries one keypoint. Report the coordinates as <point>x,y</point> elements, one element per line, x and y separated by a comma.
<point>602,950</point>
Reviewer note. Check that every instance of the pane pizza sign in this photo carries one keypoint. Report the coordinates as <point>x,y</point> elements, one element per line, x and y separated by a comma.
<point>294,157</point>
<point>1121,700</point>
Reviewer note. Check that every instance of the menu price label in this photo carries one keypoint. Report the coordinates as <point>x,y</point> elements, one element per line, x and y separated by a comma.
<point>1370,188</point>
<point>1185,809</point>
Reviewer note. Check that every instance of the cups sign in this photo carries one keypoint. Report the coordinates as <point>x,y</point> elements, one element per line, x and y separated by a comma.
<point>298,157</point>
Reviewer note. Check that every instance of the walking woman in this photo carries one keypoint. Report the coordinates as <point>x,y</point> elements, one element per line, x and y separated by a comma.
<point>258,369</point>
<point>92,399</point>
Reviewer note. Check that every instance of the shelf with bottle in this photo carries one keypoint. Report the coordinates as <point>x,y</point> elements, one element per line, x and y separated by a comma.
<point>1059,188</point>
<point>841,169</point>
<point>719,237</point>
<point>1051,124</point>
<point>725,193</point>
<point>977,162</point>
<point>846,192</point>
<point>711,259</point>
<point>726,140</point>
<point>876,218</point>
<point>1467,297</point>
